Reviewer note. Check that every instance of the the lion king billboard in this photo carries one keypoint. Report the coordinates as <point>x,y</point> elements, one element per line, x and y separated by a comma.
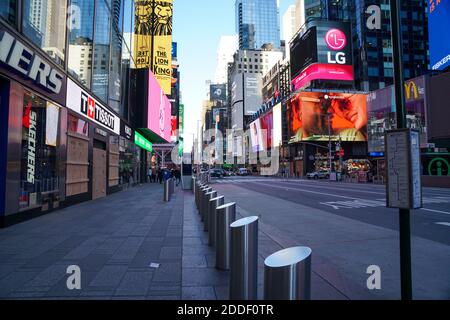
<point>152,41</point>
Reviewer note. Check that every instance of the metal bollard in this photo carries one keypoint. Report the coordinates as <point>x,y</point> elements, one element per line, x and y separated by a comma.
<point>197,193</point>
<point>202,200</point>
<point>244,259</point>
<point>225,215</point>
<point>208,196</point>
<point>213,204</point>
<point>194,185</point>
<point>287,274</point>
<point>166,191</point>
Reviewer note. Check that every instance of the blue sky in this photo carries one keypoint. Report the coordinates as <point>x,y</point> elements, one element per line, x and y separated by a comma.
<point>197,27</point>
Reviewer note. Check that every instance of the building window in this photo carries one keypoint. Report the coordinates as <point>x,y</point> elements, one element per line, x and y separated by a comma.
<point>46,29</point>
<point>102,39</point>
<point>8,10</point>
<point>80,38</point>
<point>39,167</point>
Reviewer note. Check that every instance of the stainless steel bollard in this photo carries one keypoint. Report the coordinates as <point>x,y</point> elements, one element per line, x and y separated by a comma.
<point>287,274</point>
<point>213,204</point>
<point>208,196</point>
<point>166,191</point>
<point>197,194</point>
<point>202,200</point>
<point>194,181</point>
<point>225,215</point>
<point>244,259</point>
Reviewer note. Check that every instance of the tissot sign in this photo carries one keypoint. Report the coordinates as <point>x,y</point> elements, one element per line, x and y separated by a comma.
<point>328,58</point>
<point>82,103</point>
<point>25,65</point>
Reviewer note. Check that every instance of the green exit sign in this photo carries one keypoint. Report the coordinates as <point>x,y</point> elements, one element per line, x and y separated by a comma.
<point>140,141</point>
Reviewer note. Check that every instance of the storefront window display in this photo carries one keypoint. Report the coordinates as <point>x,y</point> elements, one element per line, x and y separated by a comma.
<point>39,163</point>
<point>129,163</point>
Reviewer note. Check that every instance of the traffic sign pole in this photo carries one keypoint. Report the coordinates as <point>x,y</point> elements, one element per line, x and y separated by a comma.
<point>404,214</point>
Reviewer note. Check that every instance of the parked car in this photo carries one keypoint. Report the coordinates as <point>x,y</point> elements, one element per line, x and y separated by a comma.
<point>243,172</point>
<point>217,173</point>
<point>321,174</point>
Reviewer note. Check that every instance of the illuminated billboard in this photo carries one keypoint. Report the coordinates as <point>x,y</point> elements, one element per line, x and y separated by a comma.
<point>323,51</point>
<point>317,116</point>
<point>256,136</point>
<point>381,112</point>
<point>266,129</point>
<point>438,25</point>
<point>159,110</point>
<point>277,126</point>
<point>152,39</point>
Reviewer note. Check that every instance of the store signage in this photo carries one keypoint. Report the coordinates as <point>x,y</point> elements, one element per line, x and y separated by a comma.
<point>82,103</point>
<point>126,131</point>
<point>31,155</point>
<point>374,20</point>
<point>140,141</point>
<point>23,64</point>
<point>101,132</point>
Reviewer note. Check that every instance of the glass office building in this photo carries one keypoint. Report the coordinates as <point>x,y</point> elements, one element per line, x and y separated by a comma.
<point>257,23</point>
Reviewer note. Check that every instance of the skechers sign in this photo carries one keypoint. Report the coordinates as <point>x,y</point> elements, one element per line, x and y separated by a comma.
<point>328,53</point>
<point>23,64</point>
<point>82,103</point>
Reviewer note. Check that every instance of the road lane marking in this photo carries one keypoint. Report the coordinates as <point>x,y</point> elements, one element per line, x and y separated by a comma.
<point>437,211</point>
<point>447,224</point>
<point>338,187</point>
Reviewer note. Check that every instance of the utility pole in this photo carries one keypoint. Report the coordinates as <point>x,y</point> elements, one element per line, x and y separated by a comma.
<point>404,214</point>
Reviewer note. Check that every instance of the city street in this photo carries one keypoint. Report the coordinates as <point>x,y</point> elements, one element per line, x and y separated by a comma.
<point>348,228</point>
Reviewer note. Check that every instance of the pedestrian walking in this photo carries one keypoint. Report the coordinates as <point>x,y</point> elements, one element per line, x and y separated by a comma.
<point>149,174</point>
<point>160,176</point>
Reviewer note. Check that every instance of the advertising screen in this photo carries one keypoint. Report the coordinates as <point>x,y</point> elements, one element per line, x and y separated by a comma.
<point>266,130</point>
<point>256,136</point>
<point>327,56</point>
<point>382,116</point>
<point>159,110</point>
<point>303,51</point>
<point>218,92</point>
<point>277,125</point>
<point>152,39</point>
<point>314,116</point>
<point>439,22</point>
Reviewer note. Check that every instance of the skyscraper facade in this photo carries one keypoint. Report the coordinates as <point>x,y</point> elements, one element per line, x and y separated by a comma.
<point>257,23</point>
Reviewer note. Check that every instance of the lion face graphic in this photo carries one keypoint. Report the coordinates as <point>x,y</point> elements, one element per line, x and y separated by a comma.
<point>157,22</point>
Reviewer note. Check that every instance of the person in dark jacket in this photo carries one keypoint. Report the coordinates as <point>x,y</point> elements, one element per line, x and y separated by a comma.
<point>160,176</point>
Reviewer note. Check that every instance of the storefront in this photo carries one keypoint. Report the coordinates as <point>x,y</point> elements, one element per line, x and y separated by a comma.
<point>32,95</point>
<point>93,152</point>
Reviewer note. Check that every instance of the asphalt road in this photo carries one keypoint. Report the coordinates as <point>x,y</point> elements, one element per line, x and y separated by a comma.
<point>362,202</point>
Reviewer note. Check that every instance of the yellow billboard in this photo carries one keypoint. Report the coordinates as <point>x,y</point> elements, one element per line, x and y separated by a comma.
<point>152,43</point>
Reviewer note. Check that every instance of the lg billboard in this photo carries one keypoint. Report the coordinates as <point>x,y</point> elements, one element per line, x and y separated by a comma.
<point>322,52</point>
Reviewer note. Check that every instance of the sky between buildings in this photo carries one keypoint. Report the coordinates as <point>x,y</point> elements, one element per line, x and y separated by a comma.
<point>197,27</point>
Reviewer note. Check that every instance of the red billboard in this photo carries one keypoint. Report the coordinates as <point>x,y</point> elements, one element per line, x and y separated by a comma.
<point>318,115</point>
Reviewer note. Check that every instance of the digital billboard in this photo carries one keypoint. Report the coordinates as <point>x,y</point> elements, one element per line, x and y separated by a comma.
<point>277,126</point>
<point>256,136</point>
<point>159,110</point>
<point>381,112</point>
<point>218,92</point>
<point>316,116</point>
<point>152,39</point>
<point>266,128</point>
<point>438,26</point>
<point>323,51</point>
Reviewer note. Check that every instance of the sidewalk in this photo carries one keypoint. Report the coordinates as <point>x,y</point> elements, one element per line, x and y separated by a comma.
<point>113,240</point>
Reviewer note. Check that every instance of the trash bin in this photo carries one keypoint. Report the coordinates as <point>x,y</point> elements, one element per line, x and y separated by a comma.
<point>225,215</point>
<point>287,274</point>
<point>213,204</point>
<point>244,259</point>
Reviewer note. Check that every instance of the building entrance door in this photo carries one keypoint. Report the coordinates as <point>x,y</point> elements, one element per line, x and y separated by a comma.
<point>99,174</point>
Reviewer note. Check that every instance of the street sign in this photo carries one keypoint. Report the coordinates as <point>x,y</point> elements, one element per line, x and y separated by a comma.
<point>404,190</point>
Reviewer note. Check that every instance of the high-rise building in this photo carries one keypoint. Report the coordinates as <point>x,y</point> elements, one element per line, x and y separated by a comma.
<point>372,49</point>
<point>289,25</point>
<point>257,23</point>
<point>225,51</point>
